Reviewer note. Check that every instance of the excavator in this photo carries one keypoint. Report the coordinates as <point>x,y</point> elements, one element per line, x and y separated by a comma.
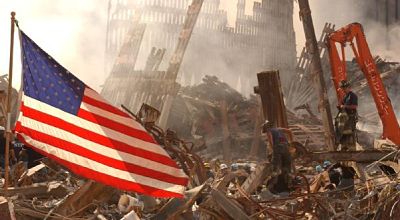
<point>353,34</point>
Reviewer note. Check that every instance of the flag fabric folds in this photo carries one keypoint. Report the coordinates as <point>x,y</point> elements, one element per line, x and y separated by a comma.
<point>65,120</point>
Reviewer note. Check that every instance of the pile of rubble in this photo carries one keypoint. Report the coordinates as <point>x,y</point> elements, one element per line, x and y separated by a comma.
<point>236,189</point>
<point>241,190</point>
<point>200,113</point>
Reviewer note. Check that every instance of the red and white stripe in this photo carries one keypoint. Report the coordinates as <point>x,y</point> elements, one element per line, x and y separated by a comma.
<point>101,143</point>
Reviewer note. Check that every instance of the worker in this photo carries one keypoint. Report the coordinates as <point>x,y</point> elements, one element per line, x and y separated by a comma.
<point>347,118</point>
<point>326,164</point>
<point>278,141</point>
<point>234,167</point>
<point>209,173</point>
<point>223,170</point>
<point>319,169</point>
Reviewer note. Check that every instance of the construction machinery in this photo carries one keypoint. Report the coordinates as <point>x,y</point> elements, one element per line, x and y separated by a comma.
<point>353,35</point>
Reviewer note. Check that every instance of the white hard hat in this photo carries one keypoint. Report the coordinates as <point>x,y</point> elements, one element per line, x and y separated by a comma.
<point>223,166</point>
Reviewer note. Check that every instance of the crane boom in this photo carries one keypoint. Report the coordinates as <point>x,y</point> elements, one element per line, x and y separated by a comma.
<point>354,35</point>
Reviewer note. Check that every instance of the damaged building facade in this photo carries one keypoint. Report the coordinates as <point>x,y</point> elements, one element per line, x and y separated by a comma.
<point>384,11</point>
<point>263,40</point>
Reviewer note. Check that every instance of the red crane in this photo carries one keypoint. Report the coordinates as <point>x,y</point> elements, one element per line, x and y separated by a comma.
<point>353,34</point>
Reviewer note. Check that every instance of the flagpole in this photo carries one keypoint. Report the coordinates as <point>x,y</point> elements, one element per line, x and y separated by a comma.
<point>9,95</point>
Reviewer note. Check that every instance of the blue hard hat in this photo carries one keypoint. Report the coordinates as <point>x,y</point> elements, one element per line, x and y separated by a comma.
<point>318,168</point>
<point>327,163</point>
<point>234,166</point>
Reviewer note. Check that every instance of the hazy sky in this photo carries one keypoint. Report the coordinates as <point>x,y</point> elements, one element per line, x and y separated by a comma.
<point>73,31</point>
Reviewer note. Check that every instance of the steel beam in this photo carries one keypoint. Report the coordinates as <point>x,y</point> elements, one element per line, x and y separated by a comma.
<point>316,72</point>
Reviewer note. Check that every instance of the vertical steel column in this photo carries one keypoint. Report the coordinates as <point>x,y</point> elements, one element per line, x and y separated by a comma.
<point>177,57</point>
<point>316,72</point>
<point>270,90</point>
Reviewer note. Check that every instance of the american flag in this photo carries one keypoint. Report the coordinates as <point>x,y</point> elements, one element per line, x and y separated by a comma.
<point>65,120</point>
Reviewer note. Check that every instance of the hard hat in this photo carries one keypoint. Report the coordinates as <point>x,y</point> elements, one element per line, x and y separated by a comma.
<point>344,84</point>
<point>318,168</point>
<point>326,164</point>
<point>234,166</point>
<point>267,125</point>
<point>223,166</point>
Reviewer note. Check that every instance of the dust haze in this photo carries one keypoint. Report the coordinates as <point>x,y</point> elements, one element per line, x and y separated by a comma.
<point>73,31</point>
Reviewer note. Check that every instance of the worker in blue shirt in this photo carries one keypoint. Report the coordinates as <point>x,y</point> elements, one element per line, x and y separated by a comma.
<point>279,140</point>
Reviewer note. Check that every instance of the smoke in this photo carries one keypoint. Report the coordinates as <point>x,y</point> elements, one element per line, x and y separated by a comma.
<point>343,12</point>
<point>225,56</point>
<point>72,31</point>
<point>338,12</point>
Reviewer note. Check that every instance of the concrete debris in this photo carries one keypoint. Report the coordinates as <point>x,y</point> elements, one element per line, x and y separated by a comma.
<point>325,185</point>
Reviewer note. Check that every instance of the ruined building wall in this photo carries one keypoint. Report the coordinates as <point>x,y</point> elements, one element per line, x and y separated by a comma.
<point>261,41</point>
<point>384,11</point>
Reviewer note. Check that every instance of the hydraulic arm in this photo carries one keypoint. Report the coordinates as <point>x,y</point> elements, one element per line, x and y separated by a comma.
<point>353,34</point>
